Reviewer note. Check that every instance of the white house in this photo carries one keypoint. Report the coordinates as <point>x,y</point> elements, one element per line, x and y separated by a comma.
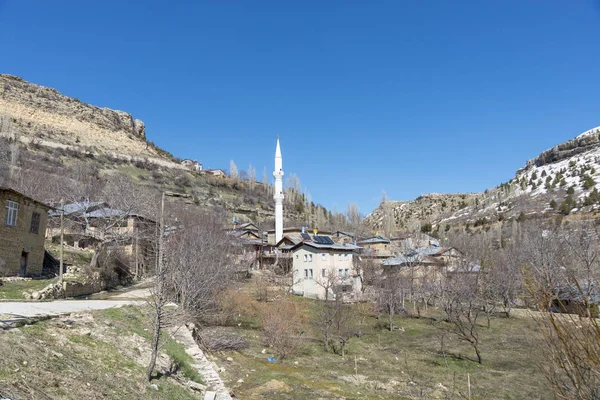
<point>317,266</point>
<point>192,165</point>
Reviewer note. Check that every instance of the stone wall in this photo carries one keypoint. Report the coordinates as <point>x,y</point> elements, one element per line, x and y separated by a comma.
<point>18,240</point>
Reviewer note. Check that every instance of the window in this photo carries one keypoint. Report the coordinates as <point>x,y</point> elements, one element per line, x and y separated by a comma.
<point>12,209</point>
<point>305,258</point>
<point>339,256</point>
<point>310,273</point>
<point>346,273</point>
<point>310,258</point>
<point>340,273</point>
<point>324,273</point>
<point>346,257</point>
<point>305,274</point>
<point>324,257</point>
<point>35,223</point>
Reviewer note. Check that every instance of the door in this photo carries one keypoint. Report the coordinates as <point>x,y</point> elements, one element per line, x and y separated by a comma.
<point>24,261</point>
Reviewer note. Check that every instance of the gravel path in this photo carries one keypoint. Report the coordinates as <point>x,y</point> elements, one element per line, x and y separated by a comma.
<point>28,309</point>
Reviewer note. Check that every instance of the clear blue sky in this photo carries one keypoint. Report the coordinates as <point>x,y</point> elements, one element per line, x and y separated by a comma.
<point>407,96</point>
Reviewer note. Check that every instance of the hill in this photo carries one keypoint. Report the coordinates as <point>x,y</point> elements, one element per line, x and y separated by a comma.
<point>49,138</point>
<point>561,181</point>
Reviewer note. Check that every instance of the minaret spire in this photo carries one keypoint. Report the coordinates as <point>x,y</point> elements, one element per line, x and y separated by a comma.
<point>278,195</point>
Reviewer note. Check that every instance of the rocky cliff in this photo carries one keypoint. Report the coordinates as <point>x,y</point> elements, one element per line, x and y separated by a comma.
<point>44,115</point>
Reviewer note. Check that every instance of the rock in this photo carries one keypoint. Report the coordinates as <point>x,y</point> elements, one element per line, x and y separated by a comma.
<point>35,295</point>
<point>196,386</point>
<point>154,386</point>
<point>240,381</point>
<point>229,359</point>
<point>263,351</point>
<point>210,395</point>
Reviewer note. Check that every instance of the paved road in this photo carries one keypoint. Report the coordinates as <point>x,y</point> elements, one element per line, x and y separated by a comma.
<point>16,310</point>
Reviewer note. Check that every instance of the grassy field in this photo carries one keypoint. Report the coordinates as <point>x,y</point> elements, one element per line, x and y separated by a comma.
<point>401,364</point>
<point>14,290</point>
<point>72,256</point>
<point>98,355</point>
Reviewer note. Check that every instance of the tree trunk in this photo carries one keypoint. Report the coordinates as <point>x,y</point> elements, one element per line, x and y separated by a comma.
<point>390,317</point>
<point>479,359</point>
<point>96,256</point>
<point>155,339</point>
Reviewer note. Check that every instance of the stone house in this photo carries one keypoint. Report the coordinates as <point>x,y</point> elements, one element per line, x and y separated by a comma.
<point>22,232</point>
<point>317,266</point>
<point>219,173</point>
<point>376,246</point>
<point>88,224</point>
<point>342,237</point>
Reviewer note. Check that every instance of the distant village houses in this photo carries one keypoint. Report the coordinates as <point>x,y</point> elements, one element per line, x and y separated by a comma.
<point>192,165</point>
<point>22,233</point>
<point>219,173</point>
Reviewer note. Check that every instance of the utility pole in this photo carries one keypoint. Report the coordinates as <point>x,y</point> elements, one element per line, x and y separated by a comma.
<point>62,233</point>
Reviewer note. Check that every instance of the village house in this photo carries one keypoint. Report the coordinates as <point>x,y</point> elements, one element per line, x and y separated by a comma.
<point>321,264</point>
<point>219,173</point>
<point>89,223</point>
<point>341,237</point>
<point>404,241</point>
<point>246,231</point>
<point>434,262</point>
<point>294,231</point>
<point>192,165</point>
<point>377,246</point>
<point>22,232</point>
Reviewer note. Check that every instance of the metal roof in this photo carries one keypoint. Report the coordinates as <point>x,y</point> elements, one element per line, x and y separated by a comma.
<point>106,212</point>
<point>376,239</point>
<point>347,247</point>
<point>78,207</point>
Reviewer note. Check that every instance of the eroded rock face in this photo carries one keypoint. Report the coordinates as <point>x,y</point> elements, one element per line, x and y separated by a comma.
<point>32,97</point>
<point>585,142</point>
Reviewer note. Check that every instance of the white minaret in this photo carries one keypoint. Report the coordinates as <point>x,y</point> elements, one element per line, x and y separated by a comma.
<point>278,195</point>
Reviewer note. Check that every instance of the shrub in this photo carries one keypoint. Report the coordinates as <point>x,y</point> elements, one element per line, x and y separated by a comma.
<point>234,307</point>
<point>284,323</point>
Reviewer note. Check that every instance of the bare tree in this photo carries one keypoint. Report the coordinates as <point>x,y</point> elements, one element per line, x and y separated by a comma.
<point>390,294</point>
<point>195,264</point>
<point>251,176</point>
<point>233,171</point>
<point>567,282</point>
<point>284,323</point>
<point>336,323</point>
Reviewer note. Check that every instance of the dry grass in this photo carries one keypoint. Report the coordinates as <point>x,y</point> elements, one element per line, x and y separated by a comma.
<point>396,365</point>
<point>95,356</point>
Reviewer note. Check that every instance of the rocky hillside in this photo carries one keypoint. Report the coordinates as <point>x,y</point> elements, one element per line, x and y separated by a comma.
<point>561,181</point>
<point>62,136</point>
<point>46,117</point>
<point>428,208</point>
